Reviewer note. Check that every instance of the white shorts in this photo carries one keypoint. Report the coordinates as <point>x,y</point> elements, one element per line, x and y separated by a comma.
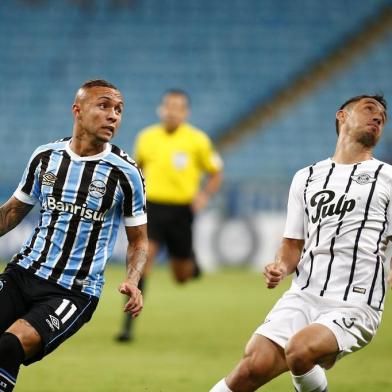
<point>353,326</point>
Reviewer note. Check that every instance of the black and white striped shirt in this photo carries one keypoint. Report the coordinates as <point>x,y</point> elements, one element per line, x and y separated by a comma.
<point>343,213</point>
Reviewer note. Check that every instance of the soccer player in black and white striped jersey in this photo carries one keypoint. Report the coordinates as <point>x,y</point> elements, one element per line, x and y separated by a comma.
<point>338,225</point>
<point>85,187</point>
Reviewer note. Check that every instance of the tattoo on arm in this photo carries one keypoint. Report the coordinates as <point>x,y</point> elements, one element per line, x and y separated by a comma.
<point>136,260</point>
<point>136,252</point>
<point>11,213</point>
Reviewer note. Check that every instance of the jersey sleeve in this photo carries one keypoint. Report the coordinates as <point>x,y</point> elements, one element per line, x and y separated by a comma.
<point>134,197</point>
<point>295,210</point>
<point>210,161</point>
<point>29,188</point>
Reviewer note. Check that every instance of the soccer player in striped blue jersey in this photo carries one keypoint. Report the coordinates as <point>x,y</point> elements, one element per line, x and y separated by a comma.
<point>85,187</point>
<point>338,225</point>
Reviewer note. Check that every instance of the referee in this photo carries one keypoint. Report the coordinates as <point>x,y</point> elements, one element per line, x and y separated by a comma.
<point>174,157</point>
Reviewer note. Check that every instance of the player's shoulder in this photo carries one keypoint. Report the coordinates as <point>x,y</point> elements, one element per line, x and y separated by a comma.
<point>120,159</point>
<point>56,145</point>
<point>307,170</point>
<point>302,175</point>
<point>384,167</point>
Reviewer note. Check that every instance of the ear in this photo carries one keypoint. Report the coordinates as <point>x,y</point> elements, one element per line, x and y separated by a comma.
<point>76,110</point>
<point>341,116</point>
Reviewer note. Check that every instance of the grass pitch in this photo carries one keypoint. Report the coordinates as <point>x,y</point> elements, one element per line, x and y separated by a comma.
<point>187,338</point>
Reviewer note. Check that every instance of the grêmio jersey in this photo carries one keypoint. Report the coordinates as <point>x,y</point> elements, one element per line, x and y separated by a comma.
<point>343,212</point>
<point>83,200</point>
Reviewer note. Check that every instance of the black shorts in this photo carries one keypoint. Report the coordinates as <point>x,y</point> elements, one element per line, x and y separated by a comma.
<point>54,311</point>
<point>171,225</point>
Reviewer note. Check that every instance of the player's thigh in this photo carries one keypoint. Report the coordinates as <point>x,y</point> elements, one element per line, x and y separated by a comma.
<point>28,336</point>
<point>353,327</point>
<point>289,315</point>
<point>12,306</point>
<point>56,318</point>
<point>267,356</point>
<point>313,344</point>
<point>262,361</point>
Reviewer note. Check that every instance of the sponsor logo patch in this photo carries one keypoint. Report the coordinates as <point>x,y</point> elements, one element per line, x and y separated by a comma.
<point>363,178</point>
<point>326,204</point>
<point>55,321</point>
<point>52,204</point>
<point>97,189</point>
<point>50,325</point>
<point>359,290</point>
<point>49,179</point>
<point>1,285</point>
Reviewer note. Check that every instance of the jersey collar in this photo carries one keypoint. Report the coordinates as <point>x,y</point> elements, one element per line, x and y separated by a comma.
<point>76,157</point>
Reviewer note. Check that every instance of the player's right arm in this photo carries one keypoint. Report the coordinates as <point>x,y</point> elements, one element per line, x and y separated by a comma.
<point>287,259</point>
<point>12,213</point>
<point>289,253</point>
<point>26,195</point>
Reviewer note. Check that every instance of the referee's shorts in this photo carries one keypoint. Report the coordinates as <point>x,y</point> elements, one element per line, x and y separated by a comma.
<point>171,225</point>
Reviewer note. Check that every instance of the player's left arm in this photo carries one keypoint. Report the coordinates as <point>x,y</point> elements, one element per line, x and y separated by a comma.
<point>12,213</point>
<point>135,260</point>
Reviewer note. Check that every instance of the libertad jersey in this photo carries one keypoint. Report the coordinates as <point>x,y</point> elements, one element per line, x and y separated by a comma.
<point>83,200</point>
<point>344,214</point>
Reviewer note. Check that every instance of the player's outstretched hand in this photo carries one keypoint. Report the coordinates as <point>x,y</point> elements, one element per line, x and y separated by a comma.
<point>274,273</point>
<point>135,303</point>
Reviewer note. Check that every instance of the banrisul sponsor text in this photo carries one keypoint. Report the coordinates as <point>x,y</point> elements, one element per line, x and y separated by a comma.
<point>82,211</point>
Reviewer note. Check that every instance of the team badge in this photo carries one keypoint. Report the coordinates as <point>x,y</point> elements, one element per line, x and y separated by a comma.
<point>97,189</point>
<point>49,179</point>
<point>180,160</point>
<point>363,178</point>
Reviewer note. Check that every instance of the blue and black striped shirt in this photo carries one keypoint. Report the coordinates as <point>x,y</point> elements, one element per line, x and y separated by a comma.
<point>83,200</point>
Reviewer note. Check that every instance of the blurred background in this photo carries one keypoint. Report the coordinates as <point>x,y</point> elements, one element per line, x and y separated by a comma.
<point>265,79</point>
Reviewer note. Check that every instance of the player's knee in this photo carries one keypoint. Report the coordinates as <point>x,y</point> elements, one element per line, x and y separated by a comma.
<point>254,367</point>
<point>299,355</point>
<point>27,335</point>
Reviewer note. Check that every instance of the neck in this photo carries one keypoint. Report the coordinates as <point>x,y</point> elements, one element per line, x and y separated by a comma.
<point>170,128</point>
<point>348,152</point>
<point>83,146</point>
